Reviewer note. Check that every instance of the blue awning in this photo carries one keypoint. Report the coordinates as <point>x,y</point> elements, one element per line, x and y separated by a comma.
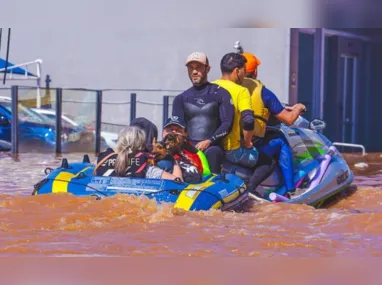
<point>16,70</point>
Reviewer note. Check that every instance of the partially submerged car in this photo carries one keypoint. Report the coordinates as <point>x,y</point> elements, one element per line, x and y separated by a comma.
<point>108,138</point>
<point>37,132</point>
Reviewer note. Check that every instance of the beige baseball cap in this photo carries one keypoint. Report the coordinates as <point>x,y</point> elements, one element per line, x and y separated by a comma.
<point>198,57</point>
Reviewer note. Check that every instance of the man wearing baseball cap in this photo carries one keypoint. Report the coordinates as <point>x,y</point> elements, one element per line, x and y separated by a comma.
<point>192,161</point>
<point>252,63</point>
<point>207,110</point>
<point>264,102</point>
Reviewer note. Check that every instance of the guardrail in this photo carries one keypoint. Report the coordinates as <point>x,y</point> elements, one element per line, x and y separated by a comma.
<point>352,145</point>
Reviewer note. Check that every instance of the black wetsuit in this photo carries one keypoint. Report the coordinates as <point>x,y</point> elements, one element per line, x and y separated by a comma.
<point>208,112</point>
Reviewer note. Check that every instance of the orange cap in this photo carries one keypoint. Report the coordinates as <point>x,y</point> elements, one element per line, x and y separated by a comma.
<point>252,62</point>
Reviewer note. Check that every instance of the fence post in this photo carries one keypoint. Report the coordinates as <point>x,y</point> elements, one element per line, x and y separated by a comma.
<point>58,120</point>
<point>165,109</point>
<point>15,120</point>
<point>133,106</point>
<point>98,122</point>
<point>47,81</point>
<point>47,104</point>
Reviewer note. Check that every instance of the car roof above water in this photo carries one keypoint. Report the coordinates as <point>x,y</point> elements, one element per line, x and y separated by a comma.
<point>5,99</point>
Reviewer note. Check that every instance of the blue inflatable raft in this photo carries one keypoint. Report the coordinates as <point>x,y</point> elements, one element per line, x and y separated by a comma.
<point>225,192</point>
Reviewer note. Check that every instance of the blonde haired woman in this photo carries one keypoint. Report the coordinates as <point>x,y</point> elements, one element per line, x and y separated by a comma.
<point>130,159</point>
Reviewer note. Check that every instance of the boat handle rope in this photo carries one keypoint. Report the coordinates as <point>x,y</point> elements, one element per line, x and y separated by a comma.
<point>48,170</point>
<point>62,180</point>
<point>222,178</point>
<point>178,191</point>
<point>171,191</point>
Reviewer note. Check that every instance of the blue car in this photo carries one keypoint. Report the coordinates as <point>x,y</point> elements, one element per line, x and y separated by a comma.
<point>4,145</point>
<point>37,132</point>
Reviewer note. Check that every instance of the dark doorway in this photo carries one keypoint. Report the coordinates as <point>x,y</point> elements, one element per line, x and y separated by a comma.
<point>344,66</point>
<point>351,87</point>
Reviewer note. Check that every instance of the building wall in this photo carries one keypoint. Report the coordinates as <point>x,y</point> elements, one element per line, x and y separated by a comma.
<point>127,58</point>
<point>100,49</point>
<point>91,44</point>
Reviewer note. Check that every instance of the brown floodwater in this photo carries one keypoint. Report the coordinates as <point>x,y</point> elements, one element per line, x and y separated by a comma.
<point>64,225</point>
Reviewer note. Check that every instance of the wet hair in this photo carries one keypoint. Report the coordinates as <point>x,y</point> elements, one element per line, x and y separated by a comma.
<point>231,61</point>
<point>130,139</point>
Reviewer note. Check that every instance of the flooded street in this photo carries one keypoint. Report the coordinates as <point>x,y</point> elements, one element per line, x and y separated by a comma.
<point>64,225</point>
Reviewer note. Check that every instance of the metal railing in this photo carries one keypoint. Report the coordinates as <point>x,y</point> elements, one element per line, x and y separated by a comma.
<point>60,97</point>
<point>351,145</point>
<point>114,109</point>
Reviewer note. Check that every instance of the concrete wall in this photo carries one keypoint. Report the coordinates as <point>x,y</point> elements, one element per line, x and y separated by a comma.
<point>100,48</point>
<point>127,58</point>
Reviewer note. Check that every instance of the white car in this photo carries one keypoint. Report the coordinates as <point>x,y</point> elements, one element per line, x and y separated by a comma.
<point>109,138</point>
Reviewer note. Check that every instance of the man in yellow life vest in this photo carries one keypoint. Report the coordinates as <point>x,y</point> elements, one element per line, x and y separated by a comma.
<point>264,102</point>
<point>232,66</point>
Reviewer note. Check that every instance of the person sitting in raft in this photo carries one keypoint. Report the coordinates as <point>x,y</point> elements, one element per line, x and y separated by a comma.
<point>150,129</point>
<point>192,161</point>
<point>130,158</point>
<point>159,156</point>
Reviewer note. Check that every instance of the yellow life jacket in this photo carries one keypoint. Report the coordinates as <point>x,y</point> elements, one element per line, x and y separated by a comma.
<point>260,112</point>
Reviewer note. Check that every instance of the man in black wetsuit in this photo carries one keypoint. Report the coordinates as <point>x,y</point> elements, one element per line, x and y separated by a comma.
<point>207,110</point>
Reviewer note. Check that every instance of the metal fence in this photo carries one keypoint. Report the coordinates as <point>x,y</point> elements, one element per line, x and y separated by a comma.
<point>107,111</point>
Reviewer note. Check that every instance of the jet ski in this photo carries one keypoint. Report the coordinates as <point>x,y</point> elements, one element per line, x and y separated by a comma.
<point>320,170</point>
<point>224,191</point>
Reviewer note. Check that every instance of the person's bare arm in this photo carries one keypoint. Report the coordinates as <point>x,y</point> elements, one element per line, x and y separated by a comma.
<point>176,173</point>
<point>247,137</point>
<point>247,116</point>
<point>203,145</point>
<point>290,114</point>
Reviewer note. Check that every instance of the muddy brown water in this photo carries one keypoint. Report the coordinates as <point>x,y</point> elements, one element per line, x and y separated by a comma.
<point>64,225</point>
